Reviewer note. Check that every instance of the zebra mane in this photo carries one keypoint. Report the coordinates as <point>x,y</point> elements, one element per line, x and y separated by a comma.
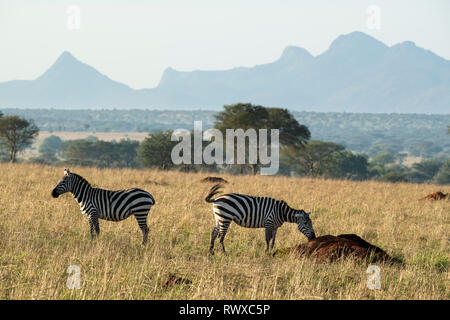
<point>80,178</point>
<point>288,209</point>
<point>284,203</point>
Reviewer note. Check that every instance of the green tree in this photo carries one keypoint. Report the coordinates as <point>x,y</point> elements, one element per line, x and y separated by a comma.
<point>346,165</point>
<point>394,175</point>
<point>102,154</point>
<point>156,149</point>
<point>83,153</point>
<point>383,148</point>
<point>247,116</point>
<point>313,158</point>
<point>383,158</point>
<point>45,158</point>
<point>17,134</point>
<point>443,175</point>
<point>241,116</point>
<point>126,153</point>
<point>425,170</point>
<point>50,145</point>
<point>292,133</point>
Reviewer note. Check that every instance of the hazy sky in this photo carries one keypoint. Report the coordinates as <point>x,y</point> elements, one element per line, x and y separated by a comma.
<point>133,41</point>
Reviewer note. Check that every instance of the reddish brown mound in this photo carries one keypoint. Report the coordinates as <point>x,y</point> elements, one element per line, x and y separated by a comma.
<point>214,179</point>
<point>330,248</point>
<point>174,280</point>
<point>436,196</point>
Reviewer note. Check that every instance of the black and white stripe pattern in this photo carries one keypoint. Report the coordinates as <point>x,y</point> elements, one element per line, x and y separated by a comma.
<point>254,212</point>
<point>105,204</point>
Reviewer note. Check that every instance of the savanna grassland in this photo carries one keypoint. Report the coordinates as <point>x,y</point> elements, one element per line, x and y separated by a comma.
<point>40,237</point>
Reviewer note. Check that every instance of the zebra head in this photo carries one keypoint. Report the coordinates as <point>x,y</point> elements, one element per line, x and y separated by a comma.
<point>63,186</point>
<point>305,224</point>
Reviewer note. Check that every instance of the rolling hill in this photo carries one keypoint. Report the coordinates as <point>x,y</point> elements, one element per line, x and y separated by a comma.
<point>357,73</point>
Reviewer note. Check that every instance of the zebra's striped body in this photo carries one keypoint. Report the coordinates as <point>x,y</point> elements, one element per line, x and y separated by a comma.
<point>109,205</point>
<point>254,212</point>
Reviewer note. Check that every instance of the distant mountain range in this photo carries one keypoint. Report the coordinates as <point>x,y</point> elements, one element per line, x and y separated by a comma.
<point>356,74</point>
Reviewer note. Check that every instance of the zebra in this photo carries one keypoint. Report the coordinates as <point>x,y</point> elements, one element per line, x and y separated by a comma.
<point>254,212</point>
<point>109,205</point>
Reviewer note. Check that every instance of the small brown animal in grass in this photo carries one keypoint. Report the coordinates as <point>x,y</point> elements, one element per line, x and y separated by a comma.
<point>214,180</point>
<point>436,196</point>
<point>174,280</point>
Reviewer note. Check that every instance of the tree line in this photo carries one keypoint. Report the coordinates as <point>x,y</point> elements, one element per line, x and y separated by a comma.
<point>299,155</point>
<point>419,135</point>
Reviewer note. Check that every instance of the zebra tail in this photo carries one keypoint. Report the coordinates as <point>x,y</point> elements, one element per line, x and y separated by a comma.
<point>214,190</point>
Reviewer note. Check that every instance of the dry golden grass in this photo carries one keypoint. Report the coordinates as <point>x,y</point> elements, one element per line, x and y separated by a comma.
<point>41,236</point>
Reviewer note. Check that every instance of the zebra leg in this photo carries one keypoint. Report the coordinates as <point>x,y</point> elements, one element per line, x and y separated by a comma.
<point>274,234</point>
<point>142,222</point>
<point>214,234</point>
<point>222,236</point>
<point>269,234</point>
<point>94,225</point>
<point>222,232</point>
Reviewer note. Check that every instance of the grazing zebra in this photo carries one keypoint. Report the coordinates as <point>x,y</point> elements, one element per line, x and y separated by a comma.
<point>254,212</point>
<point>105,204</point>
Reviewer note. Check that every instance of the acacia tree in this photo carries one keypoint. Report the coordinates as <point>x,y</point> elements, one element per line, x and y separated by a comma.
<point>241,116</point>
<point>17,134</point>
<point>247,116</point>
<point>312,158</point>
<point>156,150</point>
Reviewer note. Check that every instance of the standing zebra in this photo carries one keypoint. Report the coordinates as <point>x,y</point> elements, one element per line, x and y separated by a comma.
<point>105,204</point>
<point>254,212</point>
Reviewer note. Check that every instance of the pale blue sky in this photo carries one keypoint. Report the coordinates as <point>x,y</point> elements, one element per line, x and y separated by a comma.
<point>133,41</point>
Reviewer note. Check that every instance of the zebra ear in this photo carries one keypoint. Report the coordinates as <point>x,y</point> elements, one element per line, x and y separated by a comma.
<point>306,213</point>
<point>66,172</point>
